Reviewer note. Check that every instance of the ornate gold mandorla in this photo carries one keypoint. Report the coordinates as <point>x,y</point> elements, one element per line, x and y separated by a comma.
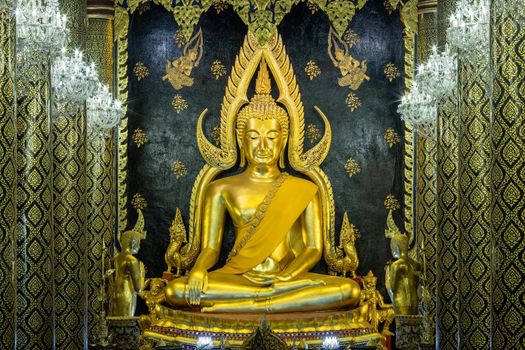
<point>225,157</point>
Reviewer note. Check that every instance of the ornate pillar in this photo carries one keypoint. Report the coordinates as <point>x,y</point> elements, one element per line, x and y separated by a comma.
<point>34,269</point>
<point>426,197</point>
<point>7,176</point>
<point>447,302</point>
<point>508,178</point>
<point>474,204</point>
<point>100,161</point>
<point>69,196</point>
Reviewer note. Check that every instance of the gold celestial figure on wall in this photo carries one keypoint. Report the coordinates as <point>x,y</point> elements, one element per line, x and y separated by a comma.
<point>141,71</point>
<point>139,202</point>
<point>178,72</point>
<point>353,101</point>
<point>312,69</point>
<point>218,69</point>
<point>353,71</point>
<point>313,133</point>
<point>391,203</point>
<point>179,103</point>
<point>352,167</point>
<point>140,138</point>
<point>179,169</point>
<point>391,137</point>
<point>391,72</point>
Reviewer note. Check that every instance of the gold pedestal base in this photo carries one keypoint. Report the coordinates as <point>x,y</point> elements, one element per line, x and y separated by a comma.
<point>173,327</point>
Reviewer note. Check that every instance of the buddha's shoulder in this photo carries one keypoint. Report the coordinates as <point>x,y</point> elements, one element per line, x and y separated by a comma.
<point>299,181</point>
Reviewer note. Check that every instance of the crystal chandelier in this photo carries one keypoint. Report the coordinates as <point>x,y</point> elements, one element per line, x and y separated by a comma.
<point>469,27</point>
<point>330,342</point>
<point>72,78</point>
<point>437,77</point>
<point>40,26</point>
<point>419,109</point>
<point>103,111</point>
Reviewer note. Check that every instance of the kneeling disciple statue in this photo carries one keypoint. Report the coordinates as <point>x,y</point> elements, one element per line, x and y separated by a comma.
<point>278,220</point>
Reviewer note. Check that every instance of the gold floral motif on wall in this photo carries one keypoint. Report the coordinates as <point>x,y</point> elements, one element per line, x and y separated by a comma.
<point>140,138</point>
<point>391,72</point>
<point>218,69</point>
<point>352,167</point>
<point>312,69</point>
<point>179,169</point>
<point>179,38</point>
<point>353,102</point>
<point>220,6</point>
<point>143,8</point>
<point>178,72</point>
<point>391,137</point>
<point>179,103</point>
<point>141,71</point>
<point>353,72</point>
<point>216,135</point>
<point>139,202</point>
<point>313,133</point>
<point>391,203</point>
<point>351,38</point>
<point>312,6</point>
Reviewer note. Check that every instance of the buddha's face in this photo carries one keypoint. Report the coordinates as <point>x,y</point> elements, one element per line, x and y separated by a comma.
<point>263,141</point>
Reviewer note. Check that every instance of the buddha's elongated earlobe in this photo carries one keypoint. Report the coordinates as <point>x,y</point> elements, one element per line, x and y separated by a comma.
<point>243,159</point>
<point>281,157</point>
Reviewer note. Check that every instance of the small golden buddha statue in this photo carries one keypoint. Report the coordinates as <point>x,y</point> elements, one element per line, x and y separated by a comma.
<point>278,226</point>
<point>129,272</point>
<point>403,275</point>
<point>373,309</point>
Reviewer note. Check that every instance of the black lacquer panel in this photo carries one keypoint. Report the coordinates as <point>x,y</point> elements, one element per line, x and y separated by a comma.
<point>358,134</point>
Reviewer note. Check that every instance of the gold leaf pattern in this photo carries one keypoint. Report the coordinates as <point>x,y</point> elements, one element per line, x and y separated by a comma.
<point>141,71</point>
<point>179,169</point>
<point>391,137</point>
<point>179,103</point>
<point>140,138</point>
<point>353,102</point>
<point>389,7</point>
<point>313,133</point>
<point>313,7</point>
<point>312,69</point>
<point>352,167</point>
<point>218,69</point>
<point>391,203</point>
<point>139,202</point>
<point>216,135</point>
<point>391,72</point>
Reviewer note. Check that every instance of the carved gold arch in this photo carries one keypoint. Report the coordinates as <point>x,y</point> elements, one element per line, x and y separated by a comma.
<point>187,14</point>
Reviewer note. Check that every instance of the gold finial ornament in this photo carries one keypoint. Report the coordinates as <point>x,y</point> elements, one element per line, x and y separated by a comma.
<point>177,240</point>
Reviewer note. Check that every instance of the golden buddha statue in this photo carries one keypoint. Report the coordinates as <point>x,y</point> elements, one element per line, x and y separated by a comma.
<point>128,279</point>
<point>402,276</point>
<point>278,226</point>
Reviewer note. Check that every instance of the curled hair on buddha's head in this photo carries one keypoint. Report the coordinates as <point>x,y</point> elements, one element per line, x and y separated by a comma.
<point>262,106</point>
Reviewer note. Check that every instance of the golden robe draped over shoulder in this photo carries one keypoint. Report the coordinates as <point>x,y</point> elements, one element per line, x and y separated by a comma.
<point>262,234</point>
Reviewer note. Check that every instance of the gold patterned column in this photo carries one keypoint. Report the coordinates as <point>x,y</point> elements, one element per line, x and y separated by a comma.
<point>508,177</point>
<point>7,176</point>
<point>426,195</point>
<point>475,243</point>
<point>35,328</point>
<point>447,302</point>
<point>69,197</point>
<point>100,160</point>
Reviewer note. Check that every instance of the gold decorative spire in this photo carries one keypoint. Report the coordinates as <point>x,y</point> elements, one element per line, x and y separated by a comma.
<point>263,85</point>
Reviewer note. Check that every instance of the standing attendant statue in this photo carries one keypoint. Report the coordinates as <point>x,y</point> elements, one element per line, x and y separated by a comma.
<point>129,273</point>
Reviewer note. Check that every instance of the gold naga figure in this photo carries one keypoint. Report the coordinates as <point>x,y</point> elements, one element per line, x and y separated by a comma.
<point>402,276</point>
<point>128,278</point>
<point>278,224</point>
